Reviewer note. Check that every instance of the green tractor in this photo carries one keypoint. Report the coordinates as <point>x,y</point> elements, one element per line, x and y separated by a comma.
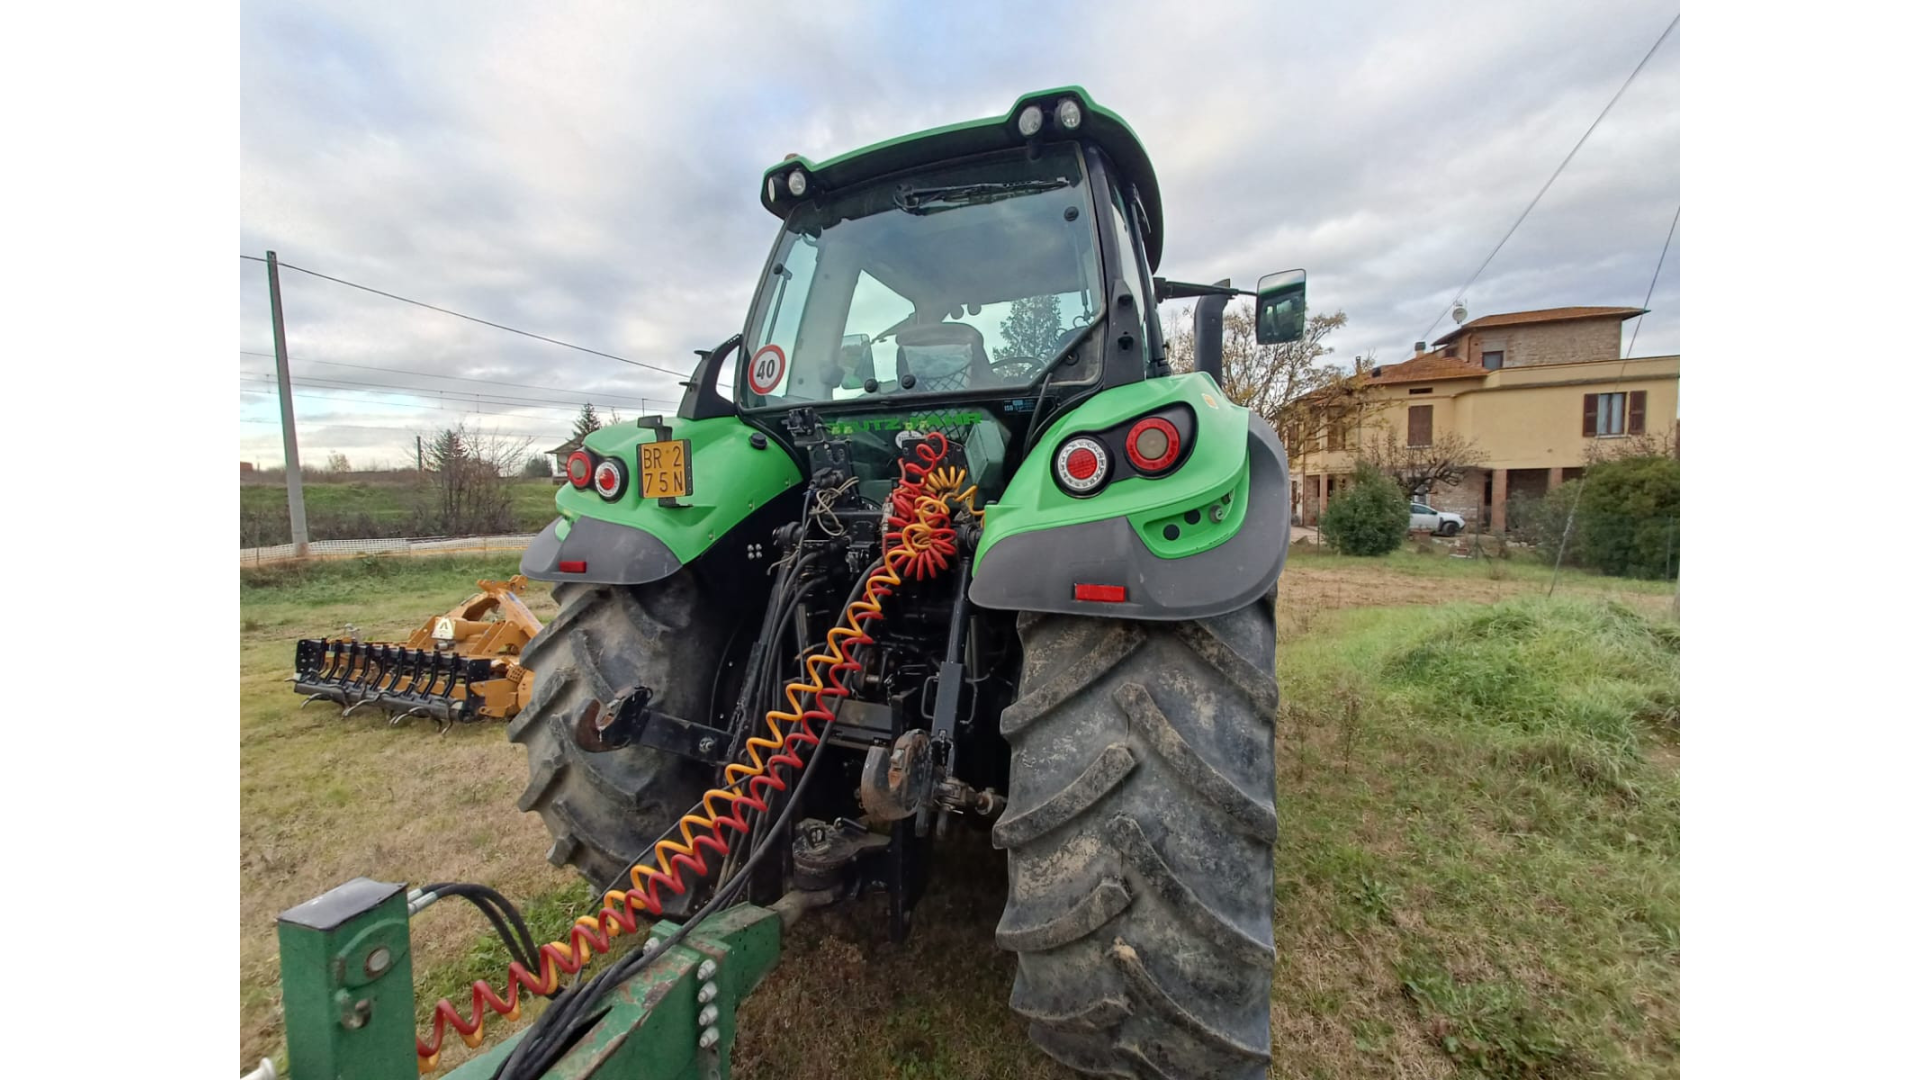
<point>1086,658</point>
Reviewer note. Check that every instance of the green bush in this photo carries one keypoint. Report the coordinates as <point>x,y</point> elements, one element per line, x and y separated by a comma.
<point>1369,517</point>
<point>1630,517</point>
<point>1540,522</point>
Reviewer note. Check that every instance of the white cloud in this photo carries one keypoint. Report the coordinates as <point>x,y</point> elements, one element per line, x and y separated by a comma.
<point>588,171</point>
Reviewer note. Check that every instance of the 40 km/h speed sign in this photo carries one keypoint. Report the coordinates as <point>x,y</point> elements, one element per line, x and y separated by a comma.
<point>767,368</point>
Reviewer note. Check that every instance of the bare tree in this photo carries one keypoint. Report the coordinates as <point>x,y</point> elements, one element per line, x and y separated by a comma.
<point>337,464</point>
<point>1444,461</point>
<point>1265,378</point>
<point>465,488</point>
<point>1647,444</point>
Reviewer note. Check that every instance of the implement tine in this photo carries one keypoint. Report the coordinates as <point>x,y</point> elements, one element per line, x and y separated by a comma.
<point>419,665</point>
<point>339,661</point>
<point>370,671</point>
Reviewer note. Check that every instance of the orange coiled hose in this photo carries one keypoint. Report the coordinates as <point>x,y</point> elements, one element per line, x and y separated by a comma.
<point>919,542</point>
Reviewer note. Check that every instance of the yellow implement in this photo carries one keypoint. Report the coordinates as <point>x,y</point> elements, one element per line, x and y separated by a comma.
<point>463,665</point>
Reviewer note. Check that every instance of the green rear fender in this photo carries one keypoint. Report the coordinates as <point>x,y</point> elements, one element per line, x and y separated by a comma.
<point>1207,538</point>
<point>630,540</point>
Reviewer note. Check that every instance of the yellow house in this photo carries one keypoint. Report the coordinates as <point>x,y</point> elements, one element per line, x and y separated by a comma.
<point>1530,394</point>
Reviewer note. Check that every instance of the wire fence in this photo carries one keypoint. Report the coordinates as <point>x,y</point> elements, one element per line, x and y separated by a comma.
<point>403,546</point>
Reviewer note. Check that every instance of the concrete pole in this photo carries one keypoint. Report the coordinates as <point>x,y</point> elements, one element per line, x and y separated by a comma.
<point>296,500</point>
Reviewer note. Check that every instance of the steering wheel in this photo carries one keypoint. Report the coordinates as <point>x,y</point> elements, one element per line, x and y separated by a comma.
<point>1016,368</point>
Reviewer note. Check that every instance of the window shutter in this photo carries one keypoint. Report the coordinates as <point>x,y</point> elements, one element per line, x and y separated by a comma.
<point>1589,415</point>
<point>1637,412</point>
<point>1420,425</point>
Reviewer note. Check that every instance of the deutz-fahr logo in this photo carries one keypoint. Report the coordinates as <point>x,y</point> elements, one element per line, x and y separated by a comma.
<point>917,422</point>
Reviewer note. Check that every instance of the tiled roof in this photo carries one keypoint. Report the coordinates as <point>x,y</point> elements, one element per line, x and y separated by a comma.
<point>1425,367</point>
<point>1559,314</point>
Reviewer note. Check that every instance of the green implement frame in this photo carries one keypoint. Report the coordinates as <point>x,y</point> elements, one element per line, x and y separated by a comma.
<point>346,978</point>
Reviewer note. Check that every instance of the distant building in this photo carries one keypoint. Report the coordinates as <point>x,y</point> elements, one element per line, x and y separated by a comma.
<point>1533,390</point>
<point>246,467</point>
<point>557,459</point>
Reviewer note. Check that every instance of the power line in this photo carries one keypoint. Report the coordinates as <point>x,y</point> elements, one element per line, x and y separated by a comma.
<point>1650,285</point>
<point>1460,293</point>
<point>1618,378</point>
<point>370,427</point>
<point>643,399</point>
<point>555,404</point>
<point>326,395</point>
<point>470,318</point>
<point>329,389</point>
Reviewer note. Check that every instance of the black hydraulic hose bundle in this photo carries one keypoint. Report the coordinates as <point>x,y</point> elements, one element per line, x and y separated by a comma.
<point>506,919</point>
<point>573,1013</point>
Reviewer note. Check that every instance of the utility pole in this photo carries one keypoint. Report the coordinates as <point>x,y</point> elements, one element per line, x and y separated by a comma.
<point>296,500</point>
<point>419,457</point>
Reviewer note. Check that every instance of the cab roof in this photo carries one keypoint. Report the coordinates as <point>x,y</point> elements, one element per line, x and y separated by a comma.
<point>1098,126</point>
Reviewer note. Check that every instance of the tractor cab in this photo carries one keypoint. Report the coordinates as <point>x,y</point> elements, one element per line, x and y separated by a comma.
<point>975,281</point>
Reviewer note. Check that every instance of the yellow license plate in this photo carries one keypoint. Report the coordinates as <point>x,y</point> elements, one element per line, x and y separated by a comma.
<point>666,471</point>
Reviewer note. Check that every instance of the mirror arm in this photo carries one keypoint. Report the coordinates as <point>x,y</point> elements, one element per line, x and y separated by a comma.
<point>702,401</point>
<point>1186,290</point>
<point>1209,328</point>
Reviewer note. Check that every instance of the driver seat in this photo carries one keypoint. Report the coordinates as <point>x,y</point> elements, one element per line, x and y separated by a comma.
<point>943,356</point>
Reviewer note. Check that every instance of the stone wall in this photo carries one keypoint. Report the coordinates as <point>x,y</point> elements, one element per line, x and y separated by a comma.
<point>1462,498</point>
<point>1580,341</point>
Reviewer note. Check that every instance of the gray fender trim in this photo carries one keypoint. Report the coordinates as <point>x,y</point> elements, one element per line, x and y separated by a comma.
<point>1036,571</point>
<point>614,554</point>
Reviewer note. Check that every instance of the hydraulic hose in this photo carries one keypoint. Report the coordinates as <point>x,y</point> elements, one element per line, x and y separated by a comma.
<point>919,542</point>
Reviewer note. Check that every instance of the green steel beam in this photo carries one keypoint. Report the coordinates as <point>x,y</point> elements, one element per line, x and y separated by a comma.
<point>346,980</point>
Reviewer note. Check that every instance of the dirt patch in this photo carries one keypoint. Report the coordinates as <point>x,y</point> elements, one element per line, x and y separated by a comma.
<point>1305,586</point>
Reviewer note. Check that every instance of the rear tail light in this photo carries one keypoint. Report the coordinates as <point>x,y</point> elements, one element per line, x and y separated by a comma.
<point>610,479</point>
<point>579,468</point>
<point>1153,445</point>
<point>1081,465</point>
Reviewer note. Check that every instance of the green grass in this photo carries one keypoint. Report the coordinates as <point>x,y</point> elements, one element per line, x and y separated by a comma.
<point>1480,843</point>
<point>1434,561</point>
<point>1477,873</point>
<point>329,581</point>
<point>360,509</point>
<point>324,799</point>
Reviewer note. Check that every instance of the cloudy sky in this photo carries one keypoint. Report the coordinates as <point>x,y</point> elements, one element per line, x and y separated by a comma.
<point>588,172</point>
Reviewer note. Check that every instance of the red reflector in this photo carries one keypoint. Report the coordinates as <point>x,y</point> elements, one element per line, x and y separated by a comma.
<point>573,566</point>
<point>1105,594</point>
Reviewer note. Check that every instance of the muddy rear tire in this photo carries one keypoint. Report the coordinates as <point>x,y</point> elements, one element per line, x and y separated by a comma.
<point>1139,833</point>
<point>604,809</point>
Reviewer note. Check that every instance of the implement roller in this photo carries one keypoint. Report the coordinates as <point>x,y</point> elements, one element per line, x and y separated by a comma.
<point>460,666</point>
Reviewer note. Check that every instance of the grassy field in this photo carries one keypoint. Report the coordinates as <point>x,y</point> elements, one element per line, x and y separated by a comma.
<point>362,509</point>
<point>1478,872</point>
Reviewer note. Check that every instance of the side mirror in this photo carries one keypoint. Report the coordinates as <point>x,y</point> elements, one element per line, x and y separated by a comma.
<point>1280,312</point>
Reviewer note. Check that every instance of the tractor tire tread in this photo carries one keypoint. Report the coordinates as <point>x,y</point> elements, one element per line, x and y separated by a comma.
<point>1139,831</point>
<point>602,809</point>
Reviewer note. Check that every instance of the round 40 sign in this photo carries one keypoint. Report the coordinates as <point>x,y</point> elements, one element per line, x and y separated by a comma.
<point>769,364</point>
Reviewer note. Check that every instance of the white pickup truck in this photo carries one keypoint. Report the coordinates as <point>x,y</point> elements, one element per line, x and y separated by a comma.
<point>1424,518</point>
